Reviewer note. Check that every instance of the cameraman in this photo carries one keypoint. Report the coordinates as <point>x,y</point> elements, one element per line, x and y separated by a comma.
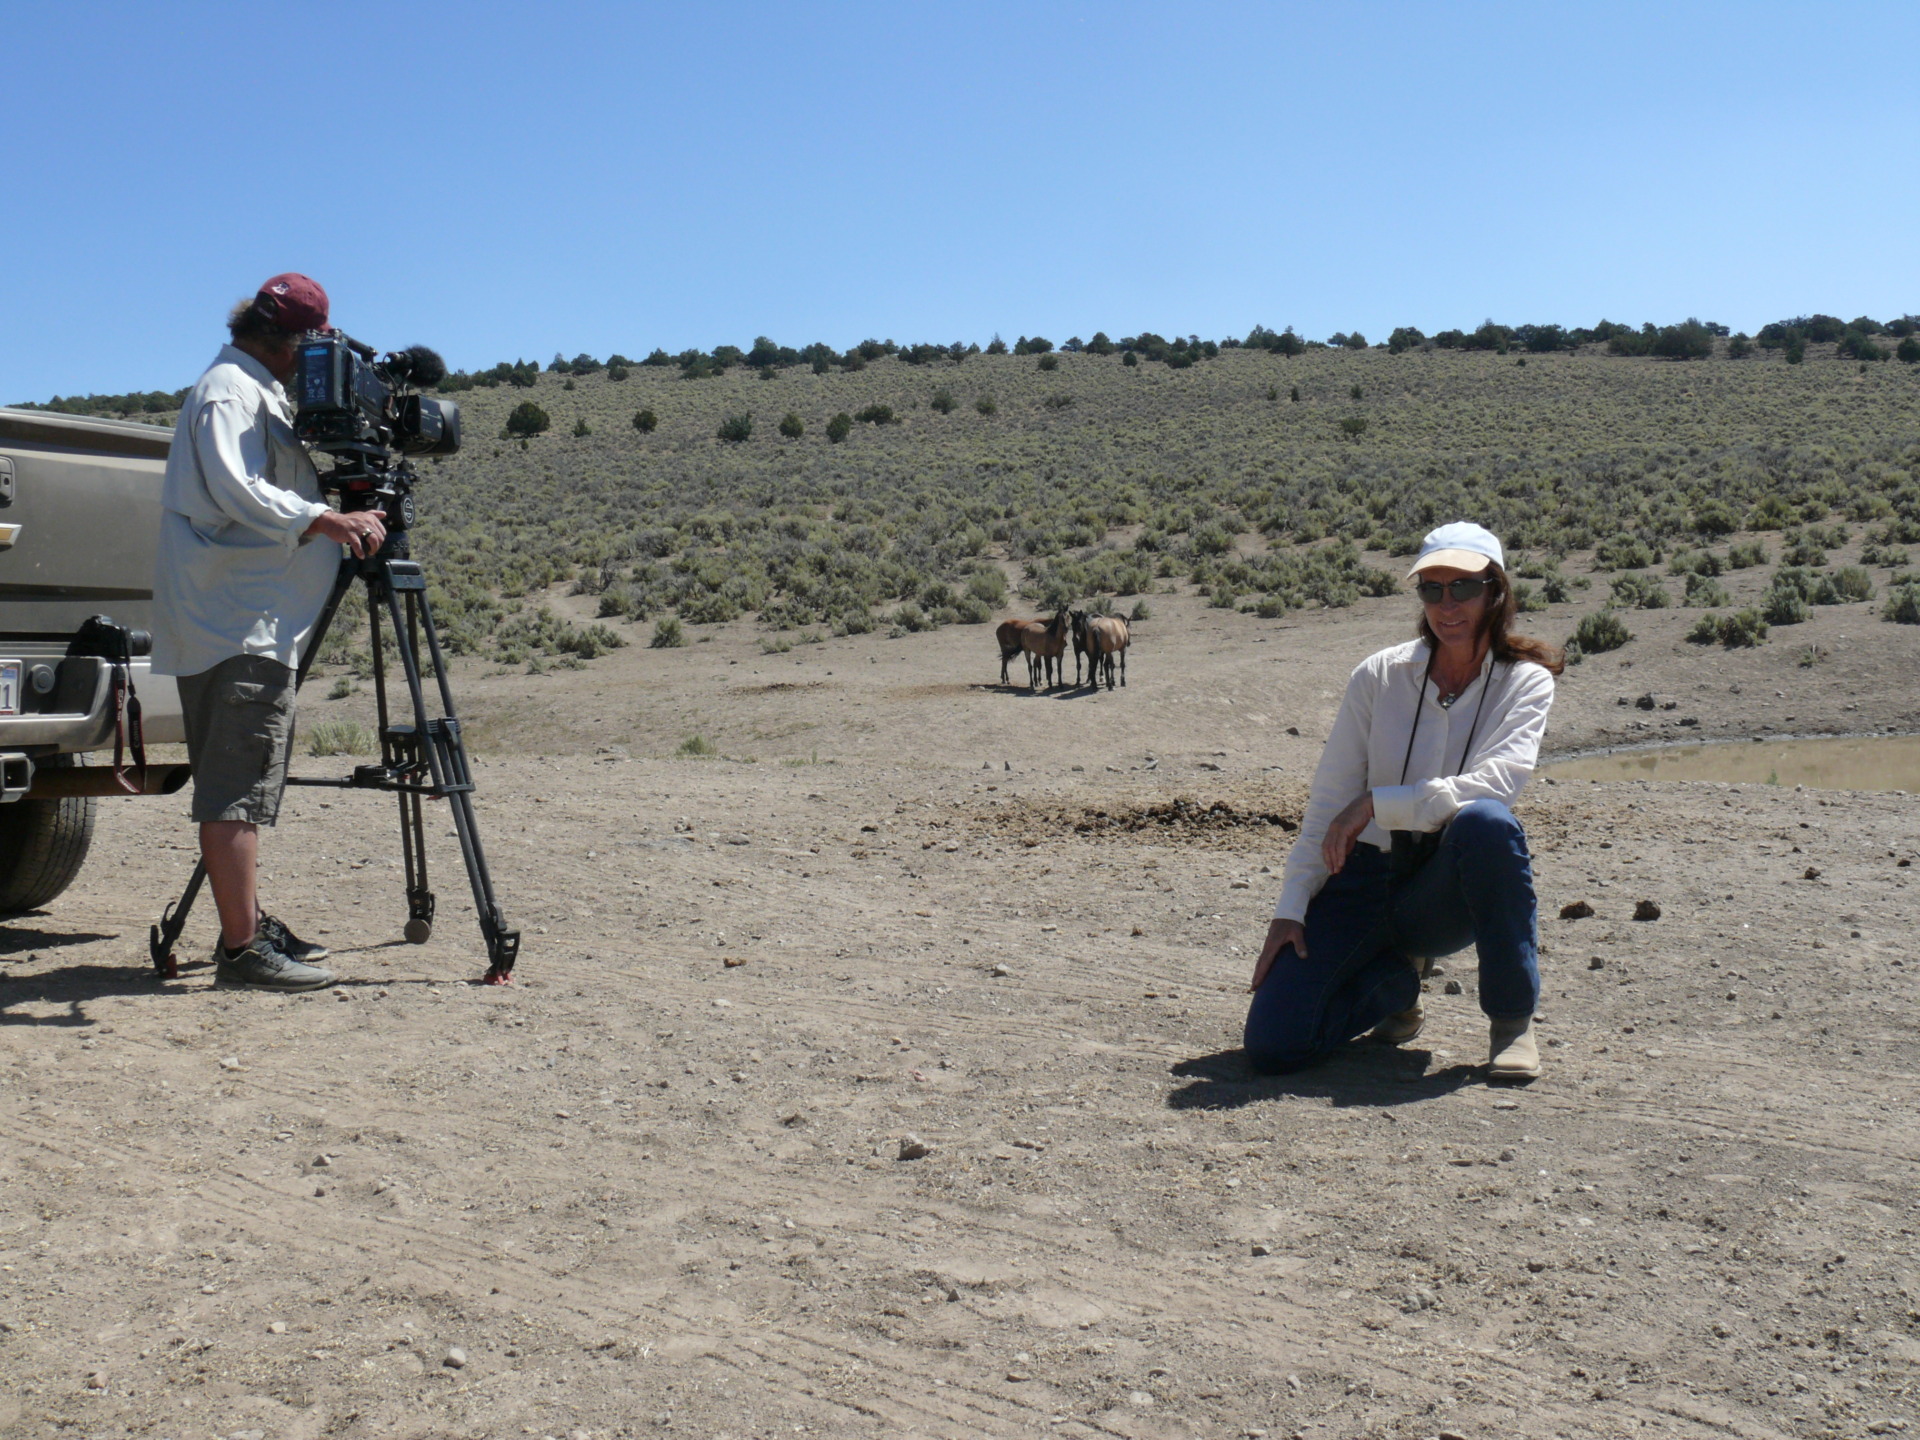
<point>239,584</point>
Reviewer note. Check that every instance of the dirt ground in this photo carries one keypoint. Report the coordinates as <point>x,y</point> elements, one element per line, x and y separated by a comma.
<point>656,1187</point>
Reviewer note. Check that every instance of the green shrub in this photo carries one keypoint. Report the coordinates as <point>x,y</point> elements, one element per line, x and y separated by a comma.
<point>340,689</point>
<point>1743,627</point>
<point>1623,552</point>
<point>1141,611</point>
<point>1745,554</point>
<point>1353,426</point>
<point>971,610</point>
<point>839,427</point>
<point>1785,605</point>
<point>1526,599</point>
<point>1047,362</point>
<point>341,737</point>
<point>875,415</point>
<point>735,428</point>
<point>986,404</point>
<point>1803,551</point>
<point>942,401</point>
<point>910,618</point>
<point>528,419</point>
<point>988,583</point>
<point>646,422</point>
<point>1884,555</point>
<point>1057,402</point>
<point>1715,517</point>
<point>1601,631</point>
<point>1639,592</point>
<point>1852,582</point>
<point>580,426</point>
<point>791,425</point>
<point>1705,631</point>
<point>1130,359</point>
<point>1705,590</point>
<point>697,746</point>
<point>667,634</point>
<point>1903,605</point>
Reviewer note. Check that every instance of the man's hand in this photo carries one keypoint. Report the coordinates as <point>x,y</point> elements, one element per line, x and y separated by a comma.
<point>1280,933</point>
<point>362,532</point>
<point>1345,830</point>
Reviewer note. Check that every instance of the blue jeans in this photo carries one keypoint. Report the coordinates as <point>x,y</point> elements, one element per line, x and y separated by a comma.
<point>1477,889</point>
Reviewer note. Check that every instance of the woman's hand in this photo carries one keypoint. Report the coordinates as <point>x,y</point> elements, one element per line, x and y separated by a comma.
<point>1280,933</point>
<point>1345,830</point>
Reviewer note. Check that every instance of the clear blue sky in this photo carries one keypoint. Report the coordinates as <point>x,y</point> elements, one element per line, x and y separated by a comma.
<point>510,180</point>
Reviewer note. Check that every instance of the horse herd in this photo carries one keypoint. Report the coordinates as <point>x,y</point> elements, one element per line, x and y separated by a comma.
<point>1101,638</point>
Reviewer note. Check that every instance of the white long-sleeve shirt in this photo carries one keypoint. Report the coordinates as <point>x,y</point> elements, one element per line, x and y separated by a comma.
<point>234,572</point>
<point>1369,744</point>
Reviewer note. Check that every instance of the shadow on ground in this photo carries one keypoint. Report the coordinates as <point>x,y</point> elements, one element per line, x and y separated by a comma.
<point>1359,1074</point>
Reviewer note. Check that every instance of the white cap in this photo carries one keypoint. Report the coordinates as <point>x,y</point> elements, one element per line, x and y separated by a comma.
<point>1462,545</point>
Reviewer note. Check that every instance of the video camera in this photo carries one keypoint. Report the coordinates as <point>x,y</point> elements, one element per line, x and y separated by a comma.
<point>365,411</point>
<point>353,401</point>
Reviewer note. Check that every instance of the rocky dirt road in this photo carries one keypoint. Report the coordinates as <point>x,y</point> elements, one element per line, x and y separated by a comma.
<point>662,1185</point>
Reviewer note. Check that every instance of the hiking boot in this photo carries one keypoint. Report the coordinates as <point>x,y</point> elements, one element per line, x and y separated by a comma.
<point>262,967</point>
<point>1399,1027</point>
<point>1512,1053</point>
<point>274,930</point>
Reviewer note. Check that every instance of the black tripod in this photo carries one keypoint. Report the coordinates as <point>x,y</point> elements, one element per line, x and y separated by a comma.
<point>423,759</point>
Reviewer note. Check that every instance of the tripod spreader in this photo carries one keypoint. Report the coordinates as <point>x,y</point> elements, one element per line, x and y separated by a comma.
<point>425,759</point>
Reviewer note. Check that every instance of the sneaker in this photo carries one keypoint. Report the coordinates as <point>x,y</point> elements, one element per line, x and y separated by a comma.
<point>262,967</point>
<point>275,932</point>
<point>1512,1052</point>
<point>1399,1027</point>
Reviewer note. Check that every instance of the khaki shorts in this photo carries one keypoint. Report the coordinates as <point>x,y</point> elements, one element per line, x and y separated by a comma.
<point>239,722</point>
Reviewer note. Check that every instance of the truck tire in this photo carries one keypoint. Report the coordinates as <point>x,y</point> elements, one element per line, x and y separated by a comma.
<point>43,844</point>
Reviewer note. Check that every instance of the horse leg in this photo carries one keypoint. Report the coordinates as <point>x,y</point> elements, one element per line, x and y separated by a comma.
<point>1123,669</point>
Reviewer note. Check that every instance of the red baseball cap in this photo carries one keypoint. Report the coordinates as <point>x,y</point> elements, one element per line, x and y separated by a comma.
<point>293,302</point>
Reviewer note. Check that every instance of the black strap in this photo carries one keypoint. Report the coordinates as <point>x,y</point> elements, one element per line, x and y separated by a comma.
<point>129,731</point>
<point>1420,703</point>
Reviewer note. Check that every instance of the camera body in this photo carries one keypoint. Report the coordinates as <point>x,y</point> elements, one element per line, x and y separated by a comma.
<point>352,401</point>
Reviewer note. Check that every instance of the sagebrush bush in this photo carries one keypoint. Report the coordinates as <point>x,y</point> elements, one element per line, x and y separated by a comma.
<point>1601,631</point>
<point>1636,591</point>
<point>1745,554</point>
<point>667,634</point>
<point>791,425</point>
<point>645,421</point>
<point>1903,605</point>
<point>1785,605</point>
<point>839,427</point>
<point>1743,627</point>
<point>1852,582</point>
<point>735,429</point>
<point>1623,552</point>
<point>1706,591</point>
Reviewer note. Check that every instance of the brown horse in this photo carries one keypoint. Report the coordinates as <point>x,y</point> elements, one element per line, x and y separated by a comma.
<point>1106,637</point>
<point>1079,644</point>
<point>1045,644</point>
<point>1008,633</point>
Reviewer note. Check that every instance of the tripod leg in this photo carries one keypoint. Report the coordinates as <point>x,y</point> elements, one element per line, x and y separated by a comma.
<point>438,741</point>
<point>413,851</point>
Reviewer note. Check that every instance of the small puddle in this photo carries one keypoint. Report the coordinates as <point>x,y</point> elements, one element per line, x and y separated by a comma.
<point>1859,762</point>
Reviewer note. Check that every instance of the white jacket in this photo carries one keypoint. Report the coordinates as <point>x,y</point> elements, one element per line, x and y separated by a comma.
<point>1369,744</point>
<point>235,573</point>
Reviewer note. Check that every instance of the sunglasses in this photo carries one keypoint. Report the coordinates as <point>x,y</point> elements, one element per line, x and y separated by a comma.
<point>1467,587</point>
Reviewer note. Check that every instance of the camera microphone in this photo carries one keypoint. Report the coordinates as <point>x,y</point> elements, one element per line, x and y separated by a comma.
<point>416,365</point>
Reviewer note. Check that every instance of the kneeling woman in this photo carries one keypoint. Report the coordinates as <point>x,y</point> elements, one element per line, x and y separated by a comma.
<point>1408,850</point>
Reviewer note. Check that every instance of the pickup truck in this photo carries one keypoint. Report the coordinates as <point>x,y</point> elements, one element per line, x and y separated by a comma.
<point>79,512</point>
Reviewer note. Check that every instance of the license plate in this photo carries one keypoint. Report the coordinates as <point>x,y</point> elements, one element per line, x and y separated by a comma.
<point>9,687</point>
